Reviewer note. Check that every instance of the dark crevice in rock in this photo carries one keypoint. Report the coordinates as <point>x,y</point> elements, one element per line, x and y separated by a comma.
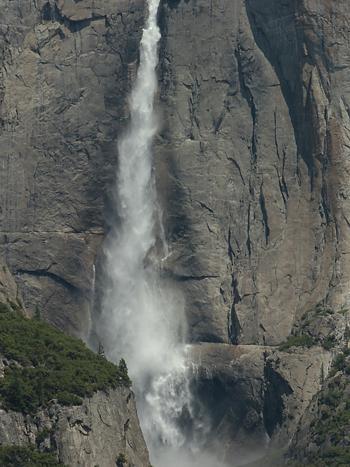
<point>230,251</point>
<point>248,96</point>
<point>218,122</point>
<point>234,327</point>
<point>45,273</point>
<point>309,133</point>
<point>193,107</point>
<point>47,12</point>
<point>172,3</point>
<point>82,427</point>
<point>183,278</point>
<point>52,13</point>
<point>248,243</point>
<point>101,418</point>
<point>276,388</point>
<point>289,74</point>
<point>275,136</point>
<point>325,195</point>
<point>264,214</point>
<point>282,188</point>
<point>235,163</point>
<point>204,206</point>
<point>325,208</point>
<point>282,182</point>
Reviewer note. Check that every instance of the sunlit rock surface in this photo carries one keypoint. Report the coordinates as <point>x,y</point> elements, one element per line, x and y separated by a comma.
<point>253,162</point>
<point>253,171</point>
<point>65,71</point>
<point>95,433</point>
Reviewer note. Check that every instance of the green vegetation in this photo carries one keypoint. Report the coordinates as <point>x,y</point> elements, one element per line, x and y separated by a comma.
<point>336,457</point>
<point>329,342</point>
<point>319,323</point>
<point>322,311</point>
<point>43,435</point>
<point>18,456</point>
<point>341,363</point>
<point>121,460</point>
<point>273,458</point>
<point>46,364</point>
<point>304,340</point>
<point>297,341</point>
<point>5,308</point>
<point>331,427</point>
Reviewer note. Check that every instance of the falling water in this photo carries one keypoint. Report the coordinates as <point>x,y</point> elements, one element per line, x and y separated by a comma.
<point>142,316</point>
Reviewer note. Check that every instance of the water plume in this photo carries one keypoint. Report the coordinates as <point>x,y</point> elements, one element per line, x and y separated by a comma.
<point>142,317</point>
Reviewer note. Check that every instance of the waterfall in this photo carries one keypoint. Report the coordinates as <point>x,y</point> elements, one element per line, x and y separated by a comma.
<point>142,317</point>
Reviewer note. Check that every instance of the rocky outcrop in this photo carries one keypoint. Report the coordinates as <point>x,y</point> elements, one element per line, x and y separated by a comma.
<point>8,288</point>
<point>95,433</point>
<point>252,161</point>
<point>100,427</point>
<point>322,437</point>
<point>256,395</point>
<point>65,71</point>
<point>59,398</point>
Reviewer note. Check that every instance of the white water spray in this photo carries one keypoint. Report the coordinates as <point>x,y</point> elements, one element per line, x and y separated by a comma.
<point>142,316</point>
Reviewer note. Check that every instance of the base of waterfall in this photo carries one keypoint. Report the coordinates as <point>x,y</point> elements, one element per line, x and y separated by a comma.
<point>170,457</point>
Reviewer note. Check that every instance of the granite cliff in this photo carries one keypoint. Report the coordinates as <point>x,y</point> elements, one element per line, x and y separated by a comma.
<point>253,168</point>
<point>254,146</point>
<point>66,69</point>
<point>98,432</point>
<point>252,174</point>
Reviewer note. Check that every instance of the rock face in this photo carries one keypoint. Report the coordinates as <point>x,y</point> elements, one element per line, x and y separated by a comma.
<point>8,288</point>
<point>65,71</point>
<point>253,167</point>
<point>322,437</point>
<point>255,393</point>
<point>92,434</point>
<point>253,162</point>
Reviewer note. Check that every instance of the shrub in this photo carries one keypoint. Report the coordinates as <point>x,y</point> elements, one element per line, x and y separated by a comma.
<point>337,455</point>
<point>297,341</point>
<point>43,435</point>
<point>332,397</point>
<point>329,342</point>
<point>19,456</point>
<point>5,308</point>
<point>121,460</point>
<point>322,311</point>
<point>341,363</point>
<point>52,366</point>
